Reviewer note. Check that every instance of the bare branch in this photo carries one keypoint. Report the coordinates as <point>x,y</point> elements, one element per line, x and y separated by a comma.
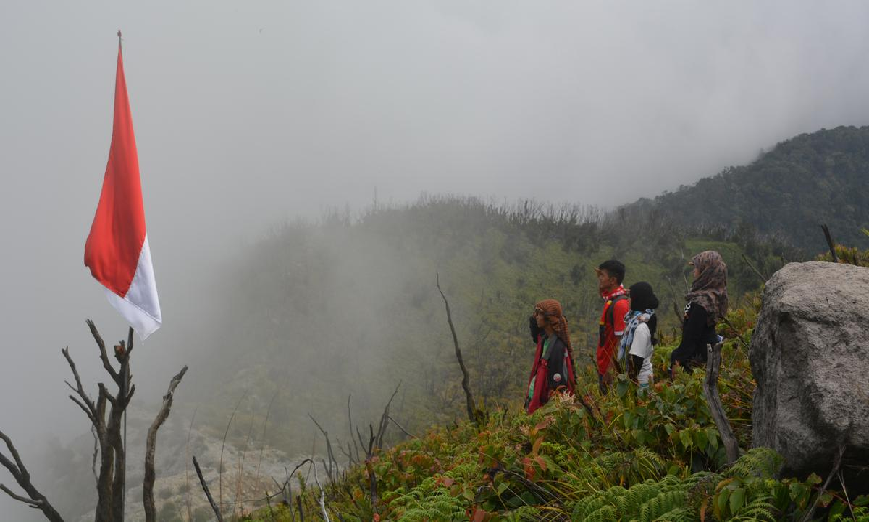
<point>306,461</point>
<point>150,448</point>
<point>350,421</point>
<point>263,436</point>
<point>399,427</point>
<point>79,389</point>
<point>96,451</point>
<point>676,309</point>
<point>222,446</point>
<point>84,408</point>
<point>837,463</point>
<point>347,453</point>
<point>329,453</point>
<point>372,484</point>
<point>207,493</point>
<point>469,399</point>
<point>738,338</point>
<point>104,394</point>
<point>384,419</point>
<point>129,396</point>
<point>104,356</point>
<point>19,465</point>
<point>239,478</point>
<point>187,466</point>
<point>541,492</point>
<point>754,269</point>
<point>362,444</point>
<point>322,494</point>
<point>19,472</point>
<point>130,343</point>
<point>830,243</point>
<point>32,503</point>
<point>101,413</point>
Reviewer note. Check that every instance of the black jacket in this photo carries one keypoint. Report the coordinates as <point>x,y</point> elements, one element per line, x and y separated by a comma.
<point>696,334</point>
<point>555,363</point>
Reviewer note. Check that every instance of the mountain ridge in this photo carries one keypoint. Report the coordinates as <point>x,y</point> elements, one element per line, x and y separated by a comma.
<point>786,193</point>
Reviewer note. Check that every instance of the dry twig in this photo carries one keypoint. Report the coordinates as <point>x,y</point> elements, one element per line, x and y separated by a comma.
<point>322,495</point>
<point>763,278</point>
<point>837,463</point>
<point>222,446</point>
<point>187,467</point>
<point>207,492</point>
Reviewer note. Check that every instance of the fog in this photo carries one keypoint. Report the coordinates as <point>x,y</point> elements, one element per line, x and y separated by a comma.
<point>249,114</point>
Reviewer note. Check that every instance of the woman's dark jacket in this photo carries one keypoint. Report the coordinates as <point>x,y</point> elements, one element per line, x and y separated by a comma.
<point>696,334</point>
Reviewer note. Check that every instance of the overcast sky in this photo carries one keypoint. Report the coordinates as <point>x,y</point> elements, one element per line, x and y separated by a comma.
<point>250,113</point>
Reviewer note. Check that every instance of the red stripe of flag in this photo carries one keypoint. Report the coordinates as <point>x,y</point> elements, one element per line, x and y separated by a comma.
<point>118,231</point>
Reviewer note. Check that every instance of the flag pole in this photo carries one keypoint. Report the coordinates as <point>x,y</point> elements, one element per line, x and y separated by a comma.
<point>126,374</point>
<point>126,390</point>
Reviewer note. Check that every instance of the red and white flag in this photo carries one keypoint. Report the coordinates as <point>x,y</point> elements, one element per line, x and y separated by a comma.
<point>117,251</point>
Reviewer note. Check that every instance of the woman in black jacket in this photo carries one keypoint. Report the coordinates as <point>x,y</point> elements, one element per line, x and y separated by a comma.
<point>707,304</point>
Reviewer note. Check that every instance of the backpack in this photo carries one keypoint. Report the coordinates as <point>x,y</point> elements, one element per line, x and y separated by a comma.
<point>608,319</point>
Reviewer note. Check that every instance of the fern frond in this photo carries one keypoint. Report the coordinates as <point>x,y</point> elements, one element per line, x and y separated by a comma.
<point>757,463</point>
<point>760,508</point>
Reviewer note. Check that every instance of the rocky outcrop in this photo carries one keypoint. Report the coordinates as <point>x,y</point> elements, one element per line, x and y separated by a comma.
<point>810,358</point>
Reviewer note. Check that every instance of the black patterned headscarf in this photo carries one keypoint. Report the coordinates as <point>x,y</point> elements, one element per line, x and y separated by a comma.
<point>709,289</point>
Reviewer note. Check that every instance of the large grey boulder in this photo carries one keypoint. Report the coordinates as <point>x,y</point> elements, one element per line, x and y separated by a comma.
<point>810,359</point>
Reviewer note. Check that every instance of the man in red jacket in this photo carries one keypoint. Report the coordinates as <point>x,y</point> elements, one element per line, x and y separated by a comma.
<point>610,275</point>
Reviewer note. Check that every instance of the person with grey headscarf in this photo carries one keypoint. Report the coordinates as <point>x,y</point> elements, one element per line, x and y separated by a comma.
<point>707,304</point>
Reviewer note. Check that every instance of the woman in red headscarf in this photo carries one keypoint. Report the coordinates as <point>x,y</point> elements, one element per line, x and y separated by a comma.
<point>552,370</point>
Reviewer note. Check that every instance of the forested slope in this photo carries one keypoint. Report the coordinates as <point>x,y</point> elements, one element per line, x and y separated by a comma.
<point>816,178</point>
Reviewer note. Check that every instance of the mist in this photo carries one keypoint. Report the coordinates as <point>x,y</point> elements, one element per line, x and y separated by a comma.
<point>252,114</point>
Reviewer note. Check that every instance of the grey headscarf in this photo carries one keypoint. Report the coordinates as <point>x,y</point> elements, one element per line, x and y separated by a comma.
<point>709,289</point>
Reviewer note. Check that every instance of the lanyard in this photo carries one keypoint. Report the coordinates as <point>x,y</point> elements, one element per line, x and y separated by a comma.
<point>546,344</point>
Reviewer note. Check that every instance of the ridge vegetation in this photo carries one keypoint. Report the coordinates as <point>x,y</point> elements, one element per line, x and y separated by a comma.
<point>348,307</point>
<point>619,457</point>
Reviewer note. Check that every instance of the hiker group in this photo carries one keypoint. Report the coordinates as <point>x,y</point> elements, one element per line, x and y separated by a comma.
<point>627,333</point>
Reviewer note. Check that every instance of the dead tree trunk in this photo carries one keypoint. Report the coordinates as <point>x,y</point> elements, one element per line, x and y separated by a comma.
<point>110,480</point>
<point>710,390</point>
<point>150,448</point>
<point>466,386</point>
